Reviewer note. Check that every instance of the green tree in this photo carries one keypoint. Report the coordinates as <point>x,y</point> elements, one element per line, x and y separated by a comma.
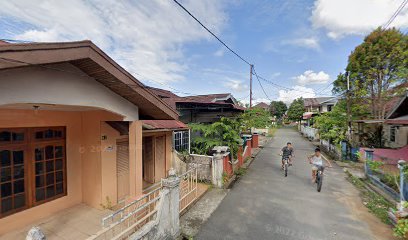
<point>255,118</point>
<point>296,109</point>
<point>225,132</point>
<point>333,125</point>
<point>375,66</point>
<point>278,108</point>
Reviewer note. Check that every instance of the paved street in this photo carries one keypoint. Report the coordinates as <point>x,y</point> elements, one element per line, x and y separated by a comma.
<point>266,205</point>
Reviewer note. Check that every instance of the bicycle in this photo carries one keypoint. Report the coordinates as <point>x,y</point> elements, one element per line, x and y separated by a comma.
<point>319,177</point>
<point>285,166</point>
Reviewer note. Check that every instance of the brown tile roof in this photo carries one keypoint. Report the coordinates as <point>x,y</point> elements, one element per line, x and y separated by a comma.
<point>172,99</point>
<point>262,105</point>
<point>315,102</point>
<point>307,102</point>
<point>95,63</point>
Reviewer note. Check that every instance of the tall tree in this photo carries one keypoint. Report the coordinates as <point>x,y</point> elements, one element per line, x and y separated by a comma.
<point>256,118</point>
<point>375,66</point>
<point>278,108</point>
<point>333,125</point>
<point>296,109</point>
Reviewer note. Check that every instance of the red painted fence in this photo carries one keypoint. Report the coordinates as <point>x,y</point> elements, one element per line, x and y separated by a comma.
<point>242,155</point>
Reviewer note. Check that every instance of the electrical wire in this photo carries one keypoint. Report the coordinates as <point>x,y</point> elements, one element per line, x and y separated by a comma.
<point>213,34</point>
<point>15,41</point>
<point>398,11</point>
<point>135,85</point>
<point>260,84</point>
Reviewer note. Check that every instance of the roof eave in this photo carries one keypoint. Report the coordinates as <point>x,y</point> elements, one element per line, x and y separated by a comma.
<point>44,53</point>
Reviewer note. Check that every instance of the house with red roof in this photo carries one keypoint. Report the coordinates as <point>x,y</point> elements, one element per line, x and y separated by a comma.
<point>207,108</point>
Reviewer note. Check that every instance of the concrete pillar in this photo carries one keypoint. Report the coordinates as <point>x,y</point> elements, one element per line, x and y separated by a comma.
<point>218,165</point>
<point>255,140</point>
<point>171,226</point>
<point>135,159</point>
<point>369,154</point>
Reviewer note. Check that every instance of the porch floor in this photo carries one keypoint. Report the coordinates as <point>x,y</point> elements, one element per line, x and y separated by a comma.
<point>75,223</point>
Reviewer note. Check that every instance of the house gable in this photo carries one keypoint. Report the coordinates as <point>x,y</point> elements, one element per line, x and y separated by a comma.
<point>94,63</point>
<point>400,109</point>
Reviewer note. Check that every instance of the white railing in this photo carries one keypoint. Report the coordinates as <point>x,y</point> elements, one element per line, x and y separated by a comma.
<point>130,218</point>
<point>188,188</point>
<point>310,132</point>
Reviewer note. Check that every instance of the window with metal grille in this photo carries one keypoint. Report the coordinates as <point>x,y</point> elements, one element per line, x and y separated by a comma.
<point>393,130</point>
<point>181,141</point>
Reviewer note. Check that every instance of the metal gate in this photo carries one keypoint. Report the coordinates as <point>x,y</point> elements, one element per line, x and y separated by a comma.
<point>188,188</point>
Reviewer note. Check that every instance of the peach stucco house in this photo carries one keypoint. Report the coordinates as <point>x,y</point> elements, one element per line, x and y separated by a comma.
<point>75,129</point>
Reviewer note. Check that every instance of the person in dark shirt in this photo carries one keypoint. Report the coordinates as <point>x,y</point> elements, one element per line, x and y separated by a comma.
<point>287,152</point>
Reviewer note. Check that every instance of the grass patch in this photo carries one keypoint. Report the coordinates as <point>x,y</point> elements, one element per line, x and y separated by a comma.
<point>376,204</point>
<point>240,172</point>
<point>272,131</point>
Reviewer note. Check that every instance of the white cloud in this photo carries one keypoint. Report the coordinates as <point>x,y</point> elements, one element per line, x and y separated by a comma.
<point>351,17</point>
<point>236,85</point>
<point>219,53</point>
<point>297,92</point>
<point>275,75</point>
<point>255,101</point>
<point>311,42</point>
<point>145,37</point>
<point>311,77</point>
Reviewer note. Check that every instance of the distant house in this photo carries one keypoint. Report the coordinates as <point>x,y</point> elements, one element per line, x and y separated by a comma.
<point>396,125</point>
<point>320,104</point>
<point>262,105</point>
<point>201,108</point>
<point>391,132</point>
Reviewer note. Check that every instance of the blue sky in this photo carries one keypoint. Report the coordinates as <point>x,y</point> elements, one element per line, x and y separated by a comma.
<point>299,44</point>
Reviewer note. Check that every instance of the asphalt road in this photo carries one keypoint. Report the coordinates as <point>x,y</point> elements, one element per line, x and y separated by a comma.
<point>264,204</point>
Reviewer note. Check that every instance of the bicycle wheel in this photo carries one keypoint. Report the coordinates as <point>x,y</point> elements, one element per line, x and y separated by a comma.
<point>286,169</point>
<point>319,182</point>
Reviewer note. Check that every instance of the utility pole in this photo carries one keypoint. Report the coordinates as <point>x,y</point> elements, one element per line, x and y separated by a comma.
<point>348,99</point>
<point>250,86</point>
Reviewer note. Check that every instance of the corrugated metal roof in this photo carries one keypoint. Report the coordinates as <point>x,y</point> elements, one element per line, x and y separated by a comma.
<point>392,155</point>
<point>163,124</point>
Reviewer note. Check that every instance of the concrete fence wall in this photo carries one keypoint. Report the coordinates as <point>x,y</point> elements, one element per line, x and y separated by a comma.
<point>203,164</point>
<point>330,149</point>
<point>309,132</point>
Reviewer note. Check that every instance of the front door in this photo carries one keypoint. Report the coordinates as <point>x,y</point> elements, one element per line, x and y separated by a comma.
<point>160,158</point>
<point>148,159</point>
<point>122,168</point>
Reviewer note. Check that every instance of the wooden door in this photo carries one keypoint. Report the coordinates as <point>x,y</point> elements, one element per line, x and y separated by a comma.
<point>148,159</point>
<point>122,169</point>
<point>160,158</point>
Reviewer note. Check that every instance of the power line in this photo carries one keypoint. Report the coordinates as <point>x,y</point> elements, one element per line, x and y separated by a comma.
<point>260,84</point>
<point>213,34</point>
<point>135,85</point>
<point>243,98</point>
<point>15,40</point>
<point>392,18</point>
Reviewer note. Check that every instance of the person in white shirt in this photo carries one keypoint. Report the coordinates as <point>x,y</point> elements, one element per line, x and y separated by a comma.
<point>317,162</point>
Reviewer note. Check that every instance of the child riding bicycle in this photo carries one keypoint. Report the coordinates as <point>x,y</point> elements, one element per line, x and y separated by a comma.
<point>287,152</point>
<point>317,161</point>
